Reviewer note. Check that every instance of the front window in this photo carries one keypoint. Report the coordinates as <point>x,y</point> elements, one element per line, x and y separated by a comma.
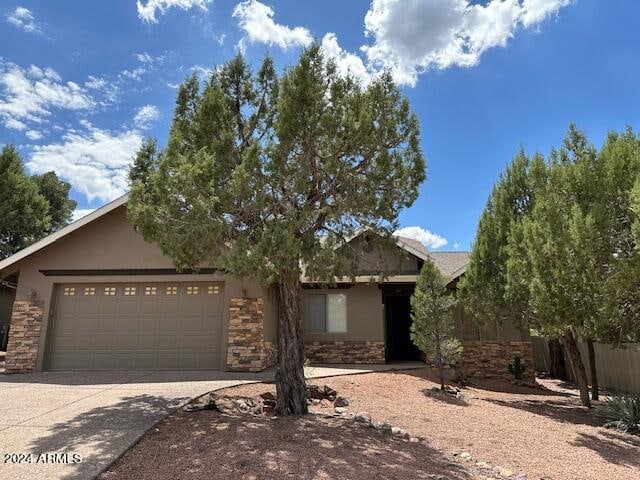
<point>327,313</point>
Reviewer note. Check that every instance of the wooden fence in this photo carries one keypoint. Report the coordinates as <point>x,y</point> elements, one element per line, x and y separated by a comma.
<point>617,368</point>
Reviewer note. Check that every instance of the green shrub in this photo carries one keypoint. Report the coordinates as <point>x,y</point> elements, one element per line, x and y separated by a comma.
<point>621,412</point>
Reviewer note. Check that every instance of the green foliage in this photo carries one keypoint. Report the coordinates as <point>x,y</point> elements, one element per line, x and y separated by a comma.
<point>30,207</point>
<point>23,210</point>
<point>263,174</point>
<point>579,240</point>
<point>484,290</point>
<point>621,412</point>
<point>432,327</point>
<point>516,368</point>
<point>56,192</point>
<point>556,244</point>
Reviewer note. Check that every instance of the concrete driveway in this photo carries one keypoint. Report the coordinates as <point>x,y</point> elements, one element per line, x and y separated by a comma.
<point>97,416</point>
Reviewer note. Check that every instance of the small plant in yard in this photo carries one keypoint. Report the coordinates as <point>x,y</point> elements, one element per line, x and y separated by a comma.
<point>432,327</point>
<point>621,412</point>
<point>516,368</point>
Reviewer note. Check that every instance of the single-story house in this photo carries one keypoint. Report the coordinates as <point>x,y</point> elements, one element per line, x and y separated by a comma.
<point>95,295</point>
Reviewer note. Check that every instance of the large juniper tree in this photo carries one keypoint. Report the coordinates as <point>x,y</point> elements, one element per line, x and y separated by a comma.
<point>266,176</point>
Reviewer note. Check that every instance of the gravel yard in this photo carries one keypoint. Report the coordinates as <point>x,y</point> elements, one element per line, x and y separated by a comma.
<point>496,430</point>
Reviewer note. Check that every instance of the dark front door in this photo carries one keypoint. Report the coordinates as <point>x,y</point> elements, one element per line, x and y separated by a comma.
<point>398,322</point>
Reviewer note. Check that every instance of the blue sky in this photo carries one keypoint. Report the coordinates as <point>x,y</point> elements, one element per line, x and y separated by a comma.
<point>81,83</point>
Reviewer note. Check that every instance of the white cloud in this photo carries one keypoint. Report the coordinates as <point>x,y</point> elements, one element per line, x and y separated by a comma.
<point>78,213</point>
<point>23,18</point>
<point>134,74</point>
<point>408,37</point>
<point>412,36</point>
<point>346,63</point>
<point>95,161</point>
<point>427,238</point>
<point>147,63</point>
<point>14,124</point>
<point>456,246</point>
<point>33,134</point>
<point>144,57</point>
<point>534,11</point>
<point>256,19</point>
<point>145,116</point>
<point>147,12</point>
<point>95,83</point>
<point>29,95</point>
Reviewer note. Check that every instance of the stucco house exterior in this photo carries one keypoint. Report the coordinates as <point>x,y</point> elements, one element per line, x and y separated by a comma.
<point>95,295</point>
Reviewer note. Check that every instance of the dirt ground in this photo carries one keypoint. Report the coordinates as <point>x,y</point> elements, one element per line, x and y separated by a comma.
<point>540,434</point>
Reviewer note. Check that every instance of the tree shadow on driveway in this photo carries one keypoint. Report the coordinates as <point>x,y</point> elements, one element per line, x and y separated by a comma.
<point>102,434</point>
<point>210,444</point>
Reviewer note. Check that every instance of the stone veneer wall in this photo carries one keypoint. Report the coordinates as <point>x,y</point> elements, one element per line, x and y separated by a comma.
<point>344,352</point>
<point>491,359</point>
<point>24,336</point>
<point>246,349</point>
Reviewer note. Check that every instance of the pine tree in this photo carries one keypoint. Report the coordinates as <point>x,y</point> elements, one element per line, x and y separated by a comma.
<point>432,327</point>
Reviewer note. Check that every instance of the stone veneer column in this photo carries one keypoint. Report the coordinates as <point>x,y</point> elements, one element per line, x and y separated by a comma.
<point>491,359</point>
<point>247,350</point>
<point>24,336</point>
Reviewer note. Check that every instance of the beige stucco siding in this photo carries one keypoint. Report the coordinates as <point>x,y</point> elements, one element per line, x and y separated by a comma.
<point>109,243</point>
<point>392,261</point>
<point>364,315</point>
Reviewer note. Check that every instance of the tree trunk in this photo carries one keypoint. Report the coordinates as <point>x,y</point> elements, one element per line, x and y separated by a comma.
<point>291,388</point>
<point>557,367</point>
<point>592,368</point>
<point>571,343</point>
<point>441,369</point>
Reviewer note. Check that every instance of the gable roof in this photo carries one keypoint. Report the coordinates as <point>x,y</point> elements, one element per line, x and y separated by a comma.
<point>55,236</point>
<point>450,264</point>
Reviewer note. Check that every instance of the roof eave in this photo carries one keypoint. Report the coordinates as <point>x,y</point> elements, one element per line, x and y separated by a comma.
<point>63,232</point>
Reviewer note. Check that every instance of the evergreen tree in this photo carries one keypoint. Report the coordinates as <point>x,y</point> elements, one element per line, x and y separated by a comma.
<point>265,176</point>
<point>484,290</point>
<point>24,212</point>
<point>432,327</point>
<point>567,262</point>
<point>56,192</point>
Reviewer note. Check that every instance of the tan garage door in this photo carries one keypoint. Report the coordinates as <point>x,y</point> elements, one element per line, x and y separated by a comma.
<point>136,326</point>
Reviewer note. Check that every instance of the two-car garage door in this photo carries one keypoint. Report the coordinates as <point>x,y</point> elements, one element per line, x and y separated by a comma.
<point>145,326</point>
